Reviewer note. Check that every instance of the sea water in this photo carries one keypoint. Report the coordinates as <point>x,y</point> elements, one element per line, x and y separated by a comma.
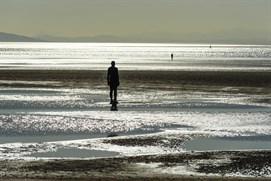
<point>50,119</point>
<point>135,56</point>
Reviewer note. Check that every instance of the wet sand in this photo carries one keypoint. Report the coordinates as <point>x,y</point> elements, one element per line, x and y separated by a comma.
<point>183,80</point>
<point>220,163</point>
<point>131,167</point>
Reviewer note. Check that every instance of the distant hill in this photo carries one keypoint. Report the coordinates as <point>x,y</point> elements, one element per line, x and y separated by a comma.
<point>100,38</point>
<point>223,37</point>
<point>7,37</point>
<point>134,38</point>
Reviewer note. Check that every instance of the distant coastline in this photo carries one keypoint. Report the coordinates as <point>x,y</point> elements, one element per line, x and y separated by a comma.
<point>9,37</point>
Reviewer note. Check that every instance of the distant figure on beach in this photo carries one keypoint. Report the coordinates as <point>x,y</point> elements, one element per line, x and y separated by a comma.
<point>113,81</point>
<point>172,56</point>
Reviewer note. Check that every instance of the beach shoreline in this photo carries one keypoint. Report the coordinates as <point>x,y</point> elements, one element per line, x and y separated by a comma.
<point>147,167</point>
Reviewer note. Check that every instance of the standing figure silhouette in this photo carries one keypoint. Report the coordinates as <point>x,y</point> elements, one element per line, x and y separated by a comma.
<point>113,81</point>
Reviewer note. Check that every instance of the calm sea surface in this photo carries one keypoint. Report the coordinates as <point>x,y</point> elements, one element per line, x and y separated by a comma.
<point>135,56</point>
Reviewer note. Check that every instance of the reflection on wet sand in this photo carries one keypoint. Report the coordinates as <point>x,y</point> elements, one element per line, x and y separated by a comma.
<point>159,113</point>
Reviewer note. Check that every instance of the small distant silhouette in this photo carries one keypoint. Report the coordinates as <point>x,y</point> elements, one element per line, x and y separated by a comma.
<point>113,81</point>
<point>172,56</point>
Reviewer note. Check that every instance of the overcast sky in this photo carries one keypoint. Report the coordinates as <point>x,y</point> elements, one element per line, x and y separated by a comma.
<point>125,17</point>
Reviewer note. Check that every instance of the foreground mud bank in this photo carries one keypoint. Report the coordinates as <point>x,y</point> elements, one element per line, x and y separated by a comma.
<point>218,165</point>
